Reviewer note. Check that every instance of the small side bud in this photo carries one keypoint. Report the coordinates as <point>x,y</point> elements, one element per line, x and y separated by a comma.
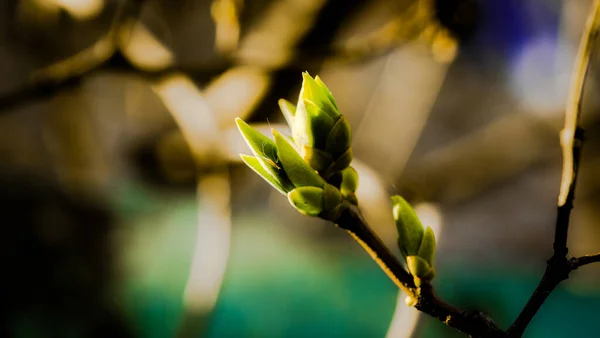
<point>349,180</point>
<point>349,185</point>
<point>308,200</point>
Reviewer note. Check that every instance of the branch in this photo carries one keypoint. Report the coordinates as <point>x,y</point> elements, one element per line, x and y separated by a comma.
<point>571,139</point>
<point>475,324</point>
<point>577,262</point>
<point>43,87</point>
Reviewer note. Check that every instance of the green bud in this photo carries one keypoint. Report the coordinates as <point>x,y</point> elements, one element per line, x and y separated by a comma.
<point>410,229</point>
<point>259,144</point>
<point>296,169</point>
<point>312,91</point>
<point>308,200</point>
<point>349,185</point>
<point>420,269</point>
<point>288,110</point>
<point>316,158</point>
<point>349,180</point>
<point>272,175</point>
<point>343,161</point>
<point>326,90</point>
<point>427,249</point>
<point>339,138</point>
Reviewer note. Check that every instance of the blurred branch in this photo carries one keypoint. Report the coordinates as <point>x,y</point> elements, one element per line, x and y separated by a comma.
<point>49,84</point>
<point>69,72</point>
<point>415,23</point>
<point>558,266</point>
<point>577,262</point>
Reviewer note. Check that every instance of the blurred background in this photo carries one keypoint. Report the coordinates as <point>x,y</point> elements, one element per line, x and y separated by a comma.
<point>126,211</point>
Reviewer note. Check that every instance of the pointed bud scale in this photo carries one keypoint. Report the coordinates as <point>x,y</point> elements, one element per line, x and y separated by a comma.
<point>344,160</point>
<point>312,91</point>
<point>410,229</point>
<point>349,180</point>
<point>326,90</point>
<point>350,197</point>
<point>427,249</point>
<point>301,126</point>
<point>318,125</point>
<point>271,175</point>
<point>259,144</point>
<point>316,158</point>
<point>331,197</point>
<point>339,138</point>
<point>297,170</point>
<point>288,110</point>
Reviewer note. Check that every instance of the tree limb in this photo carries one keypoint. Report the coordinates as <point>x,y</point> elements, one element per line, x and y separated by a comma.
<point>571,139</point>
<point>577,262</point>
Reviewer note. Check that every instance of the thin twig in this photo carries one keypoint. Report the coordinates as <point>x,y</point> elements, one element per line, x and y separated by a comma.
<point>577,262</point>
<point>571,139</point>
<point>424,298</point>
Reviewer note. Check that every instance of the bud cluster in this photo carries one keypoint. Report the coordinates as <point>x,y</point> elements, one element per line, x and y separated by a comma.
<point>313,166</point>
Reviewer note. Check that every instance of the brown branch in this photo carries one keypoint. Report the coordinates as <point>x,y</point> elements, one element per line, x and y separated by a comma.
<point>558,266</point>
<point>424,298</point>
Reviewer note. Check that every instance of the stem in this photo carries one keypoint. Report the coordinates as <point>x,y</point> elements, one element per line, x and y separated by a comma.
<point>353,222</point>
<point>571,139</point>
<point>577,262</point>
<point>424,298</point>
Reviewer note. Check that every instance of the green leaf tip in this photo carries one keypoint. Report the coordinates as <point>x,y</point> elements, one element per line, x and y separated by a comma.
<point>319,94</point>
<point>410,229</point>
<point>259,144</point>
<point>326,90</point>
<point>288,110</point>
<point>267,172</point>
